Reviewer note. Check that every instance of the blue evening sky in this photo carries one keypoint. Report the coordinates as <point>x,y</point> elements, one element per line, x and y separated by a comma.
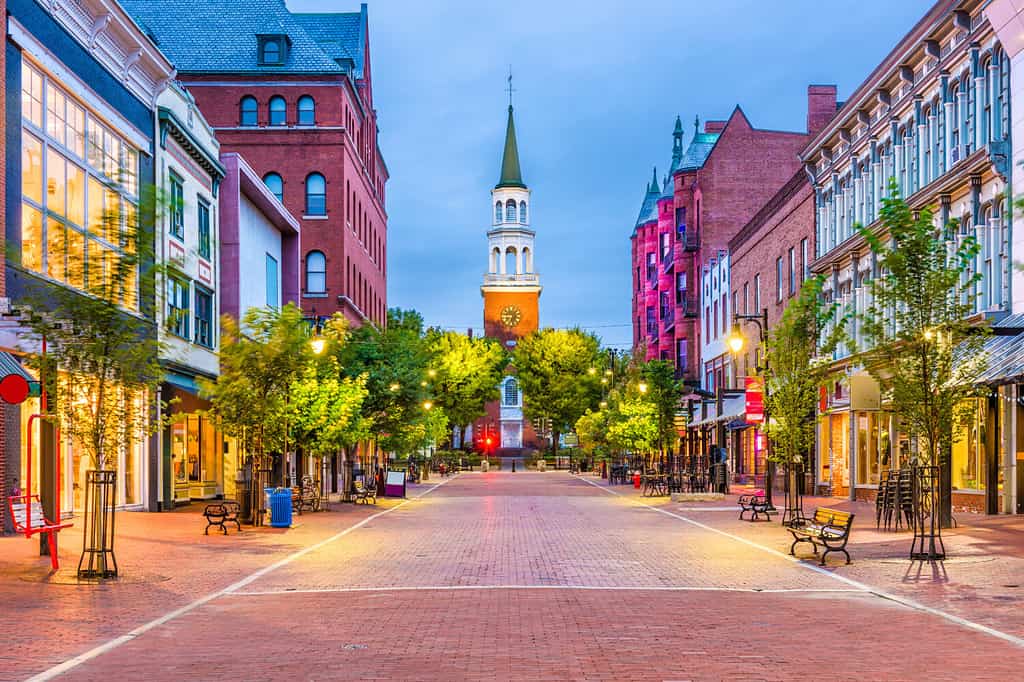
<point>598,86</point>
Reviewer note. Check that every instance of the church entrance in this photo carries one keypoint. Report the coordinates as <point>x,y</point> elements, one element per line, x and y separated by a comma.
<point>512,434</point>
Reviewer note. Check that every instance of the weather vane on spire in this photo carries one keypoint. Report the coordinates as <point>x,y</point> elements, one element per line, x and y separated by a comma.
<point>510,88</point>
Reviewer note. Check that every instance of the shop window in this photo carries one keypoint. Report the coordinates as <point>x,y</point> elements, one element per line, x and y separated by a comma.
<point>969,447</point>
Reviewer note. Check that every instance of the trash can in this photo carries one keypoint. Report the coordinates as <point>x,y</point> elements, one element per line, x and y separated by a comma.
<point>281,508</point>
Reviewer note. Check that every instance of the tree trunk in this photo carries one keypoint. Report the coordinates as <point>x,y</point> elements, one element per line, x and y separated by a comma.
<point>554,442</point>
<point>945,496</point>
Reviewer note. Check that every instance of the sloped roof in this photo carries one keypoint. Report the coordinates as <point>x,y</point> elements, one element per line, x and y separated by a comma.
<point>698,151</point>
<point>340,35</point>
<point>511,175</point>
<point>219,36</point>
<point>649,207</point>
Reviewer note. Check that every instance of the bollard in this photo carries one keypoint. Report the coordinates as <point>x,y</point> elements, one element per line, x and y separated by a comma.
<point>513,466</point>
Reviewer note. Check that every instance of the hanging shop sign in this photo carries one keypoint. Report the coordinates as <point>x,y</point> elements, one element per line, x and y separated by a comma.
<point>755,400</point>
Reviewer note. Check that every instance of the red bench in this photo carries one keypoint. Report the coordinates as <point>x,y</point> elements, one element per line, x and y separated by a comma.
<point>27,513</point>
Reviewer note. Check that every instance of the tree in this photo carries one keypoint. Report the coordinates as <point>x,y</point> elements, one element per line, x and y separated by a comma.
<point>395,363</point>
<point>325,412</point>
<point>663,391</point>
<point>633,425</point>
<point>796,371</point>
<point>921,348</point>
<point>261,359</point>
<point>592,431</point>
<point>558,373</point>
<point>465,375</point>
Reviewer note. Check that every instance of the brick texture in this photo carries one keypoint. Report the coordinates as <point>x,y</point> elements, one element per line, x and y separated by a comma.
<point>342,147</point>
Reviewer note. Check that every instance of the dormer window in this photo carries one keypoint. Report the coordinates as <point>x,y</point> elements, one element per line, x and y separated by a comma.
<point>273,49</point>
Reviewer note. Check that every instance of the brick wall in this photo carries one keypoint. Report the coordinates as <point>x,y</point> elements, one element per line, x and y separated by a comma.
<point>785,221</point>
<point>353,235</point>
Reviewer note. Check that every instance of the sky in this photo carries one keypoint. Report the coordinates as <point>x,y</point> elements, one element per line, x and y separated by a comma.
<point>597,88</point>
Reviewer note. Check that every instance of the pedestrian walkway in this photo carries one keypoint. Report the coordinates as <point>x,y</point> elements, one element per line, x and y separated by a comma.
<point>490,576</point>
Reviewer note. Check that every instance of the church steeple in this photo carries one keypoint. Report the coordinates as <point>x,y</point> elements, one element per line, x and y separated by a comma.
<point>511,176</point>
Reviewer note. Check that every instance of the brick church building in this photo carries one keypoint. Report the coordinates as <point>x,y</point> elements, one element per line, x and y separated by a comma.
<point>293,94</point>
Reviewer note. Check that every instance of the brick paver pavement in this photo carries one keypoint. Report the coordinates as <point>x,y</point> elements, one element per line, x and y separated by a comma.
<point>502,576</point>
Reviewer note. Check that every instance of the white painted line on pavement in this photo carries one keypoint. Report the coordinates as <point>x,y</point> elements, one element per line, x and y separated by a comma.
<point>909,603</point>
<point>71,663</point>
<point>596,588</point>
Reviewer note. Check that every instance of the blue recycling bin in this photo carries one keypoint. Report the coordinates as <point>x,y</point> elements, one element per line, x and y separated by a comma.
<point>281,508</point>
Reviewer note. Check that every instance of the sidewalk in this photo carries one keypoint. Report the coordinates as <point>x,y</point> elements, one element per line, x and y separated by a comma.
<point>165,562</point>
<point>981,580</point>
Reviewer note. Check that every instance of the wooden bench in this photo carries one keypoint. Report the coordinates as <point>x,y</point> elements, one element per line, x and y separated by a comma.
<point>757,504</point>
<point>220,514</point>
<point>29,519</point>
<point>364,492</point>
<point>828,528</point>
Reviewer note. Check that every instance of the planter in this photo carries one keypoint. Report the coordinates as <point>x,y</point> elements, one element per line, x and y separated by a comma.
<point>97,561</point>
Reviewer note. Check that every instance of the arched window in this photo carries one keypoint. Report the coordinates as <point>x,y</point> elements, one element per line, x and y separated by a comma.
<point>510,211</point>
<point>271,52</point>
<point>511,396</point>
<point>510,260</point>
<point>249,111</point>
<point>278,111</point>
<point>497,211</point>
<point>986,100</point>
<point>275,184</point>
<point>495,259</point>
<point>307,111</point>
<point>527,260</point>
<point>316,194</point>
<point>522,212</point>
<point>316,273</point>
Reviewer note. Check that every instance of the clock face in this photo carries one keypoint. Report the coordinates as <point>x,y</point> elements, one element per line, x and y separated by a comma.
<point>510,316</point>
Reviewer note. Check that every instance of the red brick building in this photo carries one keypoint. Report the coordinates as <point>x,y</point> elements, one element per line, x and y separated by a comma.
<point>293,94</point>
<point>725,176</point>
<point>769,259</point>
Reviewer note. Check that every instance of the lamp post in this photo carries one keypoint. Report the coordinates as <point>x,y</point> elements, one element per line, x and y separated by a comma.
<point>736,343</point>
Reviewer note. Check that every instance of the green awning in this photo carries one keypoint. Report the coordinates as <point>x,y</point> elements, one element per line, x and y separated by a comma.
<point>16,382</point>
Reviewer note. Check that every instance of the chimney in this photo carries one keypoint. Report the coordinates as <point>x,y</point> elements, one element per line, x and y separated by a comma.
<point>714,126</point>
<point>469,332</point>
<point>821,107</point>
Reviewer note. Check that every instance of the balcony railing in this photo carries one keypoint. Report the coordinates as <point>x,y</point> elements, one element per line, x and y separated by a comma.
<point>668,319</point>
<point>688,306</point>
<point>690,239</point>
<point>524,279</point>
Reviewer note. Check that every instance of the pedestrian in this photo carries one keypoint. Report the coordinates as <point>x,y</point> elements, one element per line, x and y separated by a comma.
<point>513,466</point>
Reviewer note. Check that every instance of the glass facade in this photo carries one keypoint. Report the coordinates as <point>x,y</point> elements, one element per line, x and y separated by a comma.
<point>197,448</point>
<point>79,193</point>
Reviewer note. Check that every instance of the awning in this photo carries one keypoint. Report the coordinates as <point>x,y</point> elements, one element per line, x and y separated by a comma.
<point>16,383</point>
<point>733,408</point>
<point>1005,359</point>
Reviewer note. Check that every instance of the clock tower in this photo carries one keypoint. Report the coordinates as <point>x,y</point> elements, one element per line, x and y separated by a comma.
<point>511,287</point>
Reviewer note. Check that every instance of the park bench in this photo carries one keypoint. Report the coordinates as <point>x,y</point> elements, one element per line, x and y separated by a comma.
<point>221,513</point>
<point>364,492</point>
<point>828,528</point>
<point>307,496</point>
<point>29,519</point>
<point>757,504</point>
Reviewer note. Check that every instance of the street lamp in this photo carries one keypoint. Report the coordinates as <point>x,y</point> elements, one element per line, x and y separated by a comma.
<point>642,387</point>
<point>592,371</point>
<point>317,341</point>
<point>427,404</point>
<point>736,342</point>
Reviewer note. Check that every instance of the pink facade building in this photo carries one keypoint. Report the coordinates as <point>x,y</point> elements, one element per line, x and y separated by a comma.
<point>715,185</point>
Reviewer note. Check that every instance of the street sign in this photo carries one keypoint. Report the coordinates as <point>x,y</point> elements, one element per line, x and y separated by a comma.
<point>755,400</point>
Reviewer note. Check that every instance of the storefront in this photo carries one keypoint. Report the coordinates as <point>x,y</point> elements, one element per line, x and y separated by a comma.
<point>193,446</point>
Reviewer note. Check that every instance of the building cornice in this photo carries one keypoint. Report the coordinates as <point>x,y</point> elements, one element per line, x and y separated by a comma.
<point>113,38</point>
<point>171,125</point>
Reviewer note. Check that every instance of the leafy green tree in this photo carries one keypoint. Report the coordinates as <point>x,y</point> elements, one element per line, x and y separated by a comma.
<point>592,431</point>
<point>395,363</point>
<point>920,346</point>
<point>261,360</point>
<point>558,373</point>
<point>633,425</point>
<point>664,392</point>
<point>325,412</point>
<point>797,351</point>
<point>465,373</point>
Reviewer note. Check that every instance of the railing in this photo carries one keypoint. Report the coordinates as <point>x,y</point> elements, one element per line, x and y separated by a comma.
<point>688,306</point>
<point>668,318</point>
<point>524,278</point>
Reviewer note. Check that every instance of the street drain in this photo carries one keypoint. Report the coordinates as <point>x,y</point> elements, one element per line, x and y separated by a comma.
<point>354,647</point>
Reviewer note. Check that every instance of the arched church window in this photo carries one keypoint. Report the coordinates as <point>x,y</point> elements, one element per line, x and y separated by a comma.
<point>510,211</point>
<point>511,391</point>
<point>497,211</point>
<point>510,260</point>
<point>522,212</point>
